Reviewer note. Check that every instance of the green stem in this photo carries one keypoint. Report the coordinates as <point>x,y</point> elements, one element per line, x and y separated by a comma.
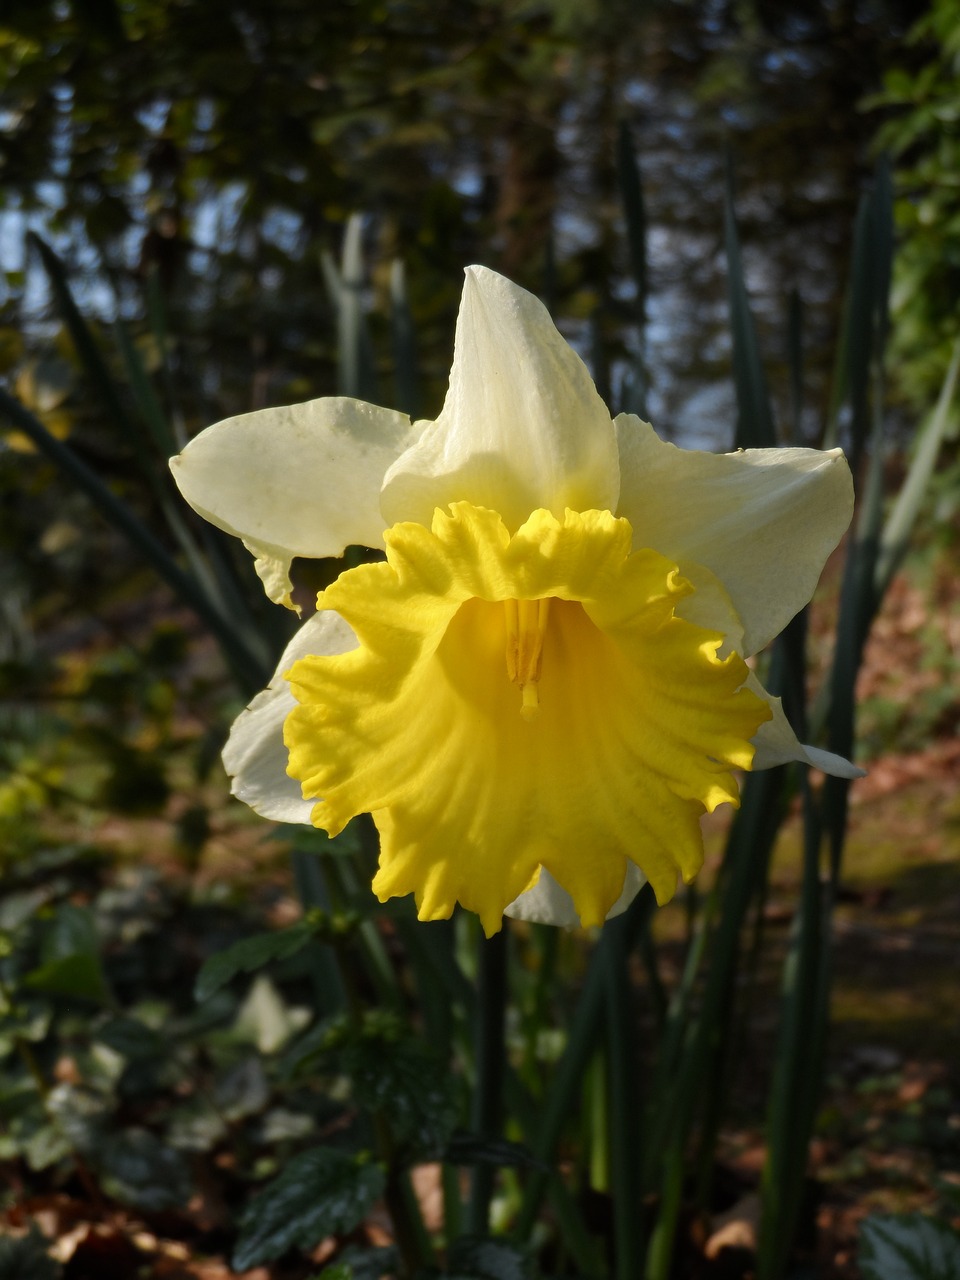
<point>624,1108</point>
<point>490,1051</point>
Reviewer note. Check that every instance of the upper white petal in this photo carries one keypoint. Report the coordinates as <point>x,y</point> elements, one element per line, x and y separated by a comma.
<point>297,481</point>
<point>522,426</point>
<point>548,903</point>
<point>763,520</point>
<point>255,756</point>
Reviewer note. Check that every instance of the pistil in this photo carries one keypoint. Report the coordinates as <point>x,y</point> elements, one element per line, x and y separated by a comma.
<point>526,625</point>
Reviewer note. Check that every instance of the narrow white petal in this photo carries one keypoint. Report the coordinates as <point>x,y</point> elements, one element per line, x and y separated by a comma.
<point>297,481</point>
<point>255,756</point>
<point>274,573</point>
<point>776,743</point>
<point>522,426</point>
<point>709,606</point>
<point>762,520</point>
<point>548,903</point>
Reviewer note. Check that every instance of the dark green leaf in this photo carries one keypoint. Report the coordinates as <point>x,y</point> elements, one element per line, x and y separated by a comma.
<point>911,1247</point>
<point>415,1090</point>
<point>249,955</point>
<point>321,1192</point>
<point>138,1169</point>
<point>755,429</point>
<point>26,1258</point>
<point>78,976</point>
<point>469,1149</point>
<point>80,1115</point>
<point>131,1038</point>
<point>487,1259</point>
<point>246,665</point>
<point>355,1263</point>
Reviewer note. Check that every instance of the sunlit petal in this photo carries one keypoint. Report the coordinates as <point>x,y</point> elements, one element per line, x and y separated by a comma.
<point>298,481</point>
<point>255,756</point>
<point>762,520</point>
<point>522,426</point>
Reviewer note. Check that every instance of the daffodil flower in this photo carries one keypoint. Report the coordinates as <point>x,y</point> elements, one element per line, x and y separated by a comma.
<point>542,688</point>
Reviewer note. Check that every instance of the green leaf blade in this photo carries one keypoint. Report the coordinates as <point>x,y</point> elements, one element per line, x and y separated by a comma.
<point>248,955</point>
<point>320,1193</point>
<point>908,1247</point>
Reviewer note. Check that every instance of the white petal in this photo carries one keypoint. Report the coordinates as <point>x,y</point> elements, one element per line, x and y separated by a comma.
<point>776,743</point>
<point>522,426</point>
<point>763,520</point>
<point>548,903</point>
<point>297,481</point>
<point>255,756</point>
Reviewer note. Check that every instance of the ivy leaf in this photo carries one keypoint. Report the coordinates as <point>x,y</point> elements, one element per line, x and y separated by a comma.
<point>908,1247</point>
<point>320,1193</point>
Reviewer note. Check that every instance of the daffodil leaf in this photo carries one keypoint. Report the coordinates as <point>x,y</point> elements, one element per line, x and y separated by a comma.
<point>911,1247</point>
<point>755,427</point>
<point>320,1193</point>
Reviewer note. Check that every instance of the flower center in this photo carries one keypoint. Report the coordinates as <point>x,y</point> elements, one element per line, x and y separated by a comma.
<point>526,624</point>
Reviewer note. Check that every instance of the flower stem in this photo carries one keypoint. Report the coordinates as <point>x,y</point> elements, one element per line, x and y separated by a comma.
<point>487,1115</point>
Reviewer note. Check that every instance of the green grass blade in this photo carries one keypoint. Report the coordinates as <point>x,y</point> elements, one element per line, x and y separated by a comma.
<point>248,669</point>
<point>87,349</point>
<point>143,393</point>
<point>355,370</point>
<point>635,214</point>
<point>793,435</point>
<point>895,537</point>
<point>635,219</point>
<point>583,1039</point>
<point>797,1067</point>
<point>489,1056</point>
<point>404,342</point>
<point>599,360</point>
<point>624,1110</point>
<point>865,322</point>
<point>755,429</point>
<point>157,320</point>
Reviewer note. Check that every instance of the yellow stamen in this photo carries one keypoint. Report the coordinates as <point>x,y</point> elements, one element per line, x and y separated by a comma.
<point>526,624</point>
